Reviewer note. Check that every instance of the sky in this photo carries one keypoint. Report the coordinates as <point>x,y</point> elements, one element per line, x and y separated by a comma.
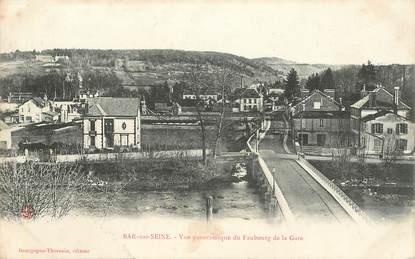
<point>313,31</point>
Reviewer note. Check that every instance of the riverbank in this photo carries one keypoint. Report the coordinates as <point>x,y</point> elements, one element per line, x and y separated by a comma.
<point>384,196</point>
<point>166,174</point>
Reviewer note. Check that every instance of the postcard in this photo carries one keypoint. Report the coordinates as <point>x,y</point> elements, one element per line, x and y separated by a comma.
<point>207,129</point>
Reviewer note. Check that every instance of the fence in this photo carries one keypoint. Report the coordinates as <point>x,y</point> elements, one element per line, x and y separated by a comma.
<point>189,153</point>
<point>348,204</point>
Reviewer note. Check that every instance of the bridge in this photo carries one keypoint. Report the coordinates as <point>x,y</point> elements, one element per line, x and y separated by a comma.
<point>303,194</point>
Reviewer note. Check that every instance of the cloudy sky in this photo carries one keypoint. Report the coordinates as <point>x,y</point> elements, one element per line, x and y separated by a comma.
<point>314,31</point>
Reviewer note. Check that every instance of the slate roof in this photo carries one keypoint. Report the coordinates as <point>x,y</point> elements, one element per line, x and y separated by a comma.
<point>39,102</point>
<point>110,106</point>
<point>239,93</point>
<point>383,98</point>
<point>305,99</point>
<point>381,114</point>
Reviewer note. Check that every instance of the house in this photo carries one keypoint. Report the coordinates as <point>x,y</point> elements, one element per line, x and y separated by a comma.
<point>36,110</point>
<point>68,110</point>
<point>373,102</point>
<point>273,98</point>
<point>112,122</point>
<point>85,94</point>
<point>319,120</point>
<point>189,95</point>
<point>44,58</point>
<point>61,58</point>
<point>248,99</point>
<point>386,132</point>
<point>19,97</point>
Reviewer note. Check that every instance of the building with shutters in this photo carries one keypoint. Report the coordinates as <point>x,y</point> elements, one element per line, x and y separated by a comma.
<point>247,100</point>
<point>385,132</point>
<point>318,120</point>
<point>374,104</point>
<point>112,122</point>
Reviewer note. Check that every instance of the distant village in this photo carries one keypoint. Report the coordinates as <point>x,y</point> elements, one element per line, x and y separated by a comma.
<point>90,122</point>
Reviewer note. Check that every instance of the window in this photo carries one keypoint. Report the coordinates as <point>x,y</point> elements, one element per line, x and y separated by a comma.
<point>317,105</point>
<point>92,122</point>
<point>390,130</point>
<point>29,118</point>
<point>321,122</point>
<point>377,144</point>
<point>377,128</point>
<point>401,128</point>
<point>92,141</point>
<point>401,144</point>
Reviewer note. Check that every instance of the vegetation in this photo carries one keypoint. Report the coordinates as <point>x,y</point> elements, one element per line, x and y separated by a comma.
<point>34,190</point>
<point>292,88</point>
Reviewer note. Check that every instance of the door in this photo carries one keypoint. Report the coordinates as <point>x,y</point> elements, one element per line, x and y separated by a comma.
<point>303,139</point>
<point>321,139</point>
<point>109,132</point>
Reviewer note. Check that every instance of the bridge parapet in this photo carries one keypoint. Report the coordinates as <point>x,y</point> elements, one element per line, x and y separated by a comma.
<point>348,204</point>
<point>282,202</point>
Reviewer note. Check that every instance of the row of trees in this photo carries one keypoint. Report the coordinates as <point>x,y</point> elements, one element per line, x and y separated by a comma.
<point>59,84</point>
<point>321,81</point>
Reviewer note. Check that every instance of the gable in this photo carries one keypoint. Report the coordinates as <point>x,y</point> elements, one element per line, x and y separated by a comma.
<point>317,101</point>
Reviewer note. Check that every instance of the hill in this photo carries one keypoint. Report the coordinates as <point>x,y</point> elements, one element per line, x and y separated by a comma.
<point>284,66</point>
<point>134,68</point>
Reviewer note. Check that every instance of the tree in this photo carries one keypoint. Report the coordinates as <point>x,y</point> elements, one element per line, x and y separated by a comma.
<point>292,88</point>
<point>313,82</point>
<point>366,76</point>
<point>177,95</point>
<point>224,79</point>
<point>327,81</point>
<point>390,153</point>
<point>197,82</point>
<point>341,162</point>
<point>33,190</point>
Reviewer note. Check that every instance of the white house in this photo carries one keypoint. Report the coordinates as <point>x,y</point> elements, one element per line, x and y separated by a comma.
<point>112,122</point>
<point>248,99</point>
<point>373,102</point>
<point>204,96</point>
<point>69,110</point>
<point>36,110</point>
<point>385,132</point>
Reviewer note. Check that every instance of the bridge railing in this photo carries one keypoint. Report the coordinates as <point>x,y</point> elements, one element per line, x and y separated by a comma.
<point>348,204</point>
<point>282,202</point>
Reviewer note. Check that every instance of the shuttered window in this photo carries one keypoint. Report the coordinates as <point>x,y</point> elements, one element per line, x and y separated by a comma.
<point>401,128</point>
<point>377,128</point>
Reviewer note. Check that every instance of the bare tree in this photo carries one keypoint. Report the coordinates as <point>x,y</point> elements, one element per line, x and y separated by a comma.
<point>224,79</point>
<point>196,80</point>
<point>33,190</point>
<point>341,161</point>
<point>389,154</point>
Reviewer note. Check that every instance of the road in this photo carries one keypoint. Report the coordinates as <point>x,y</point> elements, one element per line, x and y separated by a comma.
<point>307,199</point>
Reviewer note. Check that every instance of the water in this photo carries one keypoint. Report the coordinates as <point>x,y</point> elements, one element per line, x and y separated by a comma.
<point>239,200</point>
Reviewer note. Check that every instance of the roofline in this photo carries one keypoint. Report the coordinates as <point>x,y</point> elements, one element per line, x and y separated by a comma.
<point>318,91</point>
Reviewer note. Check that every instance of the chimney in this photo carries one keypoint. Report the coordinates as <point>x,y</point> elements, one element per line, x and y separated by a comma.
<point>396,99</point>
<point>396,95</point>
<point>143,105</point>
<point>372,99</point>
<point>304,93</point>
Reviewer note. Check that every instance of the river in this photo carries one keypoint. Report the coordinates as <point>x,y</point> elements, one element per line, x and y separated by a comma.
<point>239,200</point>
